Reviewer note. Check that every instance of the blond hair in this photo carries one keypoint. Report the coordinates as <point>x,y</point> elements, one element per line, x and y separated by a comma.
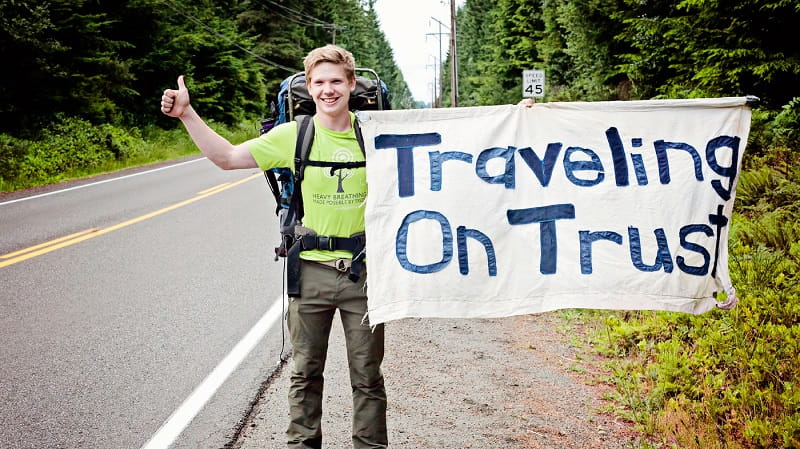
<point>332,54</point>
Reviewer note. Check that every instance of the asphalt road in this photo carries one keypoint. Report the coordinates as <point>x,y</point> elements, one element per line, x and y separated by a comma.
<point>138,321</point>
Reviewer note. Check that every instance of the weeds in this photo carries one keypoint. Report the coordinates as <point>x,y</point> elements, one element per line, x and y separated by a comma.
<point>72,148</point>
<point>723,379</point>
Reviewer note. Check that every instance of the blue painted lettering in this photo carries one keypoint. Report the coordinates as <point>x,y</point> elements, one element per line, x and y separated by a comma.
<point>546,216</point>
<point>543,169</point>
<point>694,247</point>
<point>570,167</point>
<point>663,161</point>
<point>730,171</point>
<point>507,177</point>
<point>586,239</point>
<point>663,256</point>
<point>405,144</point>
<point>401,242</point>
<point>463,258</point>
<point>437,159</point>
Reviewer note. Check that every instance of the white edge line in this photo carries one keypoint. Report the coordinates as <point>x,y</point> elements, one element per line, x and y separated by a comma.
<point>183,415</point>
<point>100,182</point>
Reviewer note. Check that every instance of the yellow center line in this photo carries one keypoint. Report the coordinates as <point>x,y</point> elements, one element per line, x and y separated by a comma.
<point>211,189</point>
<point>72,239</point>
<point>42,245</point>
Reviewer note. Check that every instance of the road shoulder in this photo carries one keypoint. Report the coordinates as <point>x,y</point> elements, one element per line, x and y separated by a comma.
<point>498,383</point>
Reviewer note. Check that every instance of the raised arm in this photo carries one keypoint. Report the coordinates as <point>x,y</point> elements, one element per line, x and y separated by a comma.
<point>176,103</point>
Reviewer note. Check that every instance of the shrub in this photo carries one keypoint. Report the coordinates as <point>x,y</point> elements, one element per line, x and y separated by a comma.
<point>12,152</point>
<point>786,125</point>
<point>725,379</point>
<point>67,148</point>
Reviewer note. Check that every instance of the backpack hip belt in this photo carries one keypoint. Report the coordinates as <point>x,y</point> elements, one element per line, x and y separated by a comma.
<point>306,239</point>
<point>341,265</point>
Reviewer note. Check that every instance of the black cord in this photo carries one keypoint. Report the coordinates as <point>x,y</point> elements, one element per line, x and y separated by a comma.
<point>283,311</point>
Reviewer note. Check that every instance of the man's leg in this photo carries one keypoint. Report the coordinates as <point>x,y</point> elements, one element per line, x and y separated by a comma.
<point>309,322</point>
<point>365,355</point>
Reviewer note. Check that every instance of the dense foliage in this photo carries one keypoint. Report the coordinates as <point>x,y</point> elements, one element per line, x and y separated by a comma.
<point>88,74</point>
<point>727,379</point>
<point>629,49</point>
<point>98,67</point>
<point>723,379</point>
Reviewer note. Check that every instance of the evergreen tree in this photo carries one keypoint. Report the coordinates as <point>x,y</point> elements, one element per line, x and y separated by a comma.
<point>582,53</point>
<point>696,48</point>
<point>67,61</point>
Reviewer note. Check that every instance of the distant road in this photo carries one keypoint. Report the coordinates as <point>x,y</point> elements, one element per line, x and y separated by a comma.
<point>120,299</point>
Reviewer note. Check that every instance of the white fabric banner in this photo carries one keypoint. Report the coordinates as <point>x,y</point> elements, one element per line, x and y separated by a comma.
<point>504,210</point>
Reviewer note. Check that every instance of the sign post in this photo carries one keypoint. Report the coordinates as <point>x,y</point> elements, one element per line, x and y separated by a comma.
<point>533,83</point>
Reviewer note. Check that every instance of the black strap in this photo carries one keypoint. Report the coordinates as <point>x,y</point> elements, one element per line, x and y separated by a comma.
<point>305,138</point>
<point>273,187</point>
<point>337,165</point>
<point>293,271</point>
<point>356,244</point>
<point>359,137</point>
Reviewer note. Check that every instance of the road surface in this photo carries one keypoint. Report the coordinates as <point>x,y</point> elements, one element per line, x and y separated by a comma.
<point>134,300</point>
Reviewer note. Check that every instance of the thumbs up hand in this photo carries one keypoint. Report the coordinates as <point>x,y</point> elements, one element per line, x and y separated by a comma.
<point>175,102</point>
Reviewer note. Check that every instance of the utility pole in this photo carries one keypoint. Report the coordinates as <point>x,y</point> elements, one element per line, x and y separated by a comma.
<point>453,57</point>
<point>438,81</point>
<point>333,27</point>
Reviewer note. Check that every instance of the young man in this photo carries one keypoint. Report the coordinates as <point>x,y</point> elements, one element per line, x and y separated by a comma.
<point>334,206</point>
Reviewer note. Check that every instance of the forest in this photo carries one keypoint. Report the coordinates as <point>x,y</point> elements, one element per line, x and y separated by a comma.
<point>726,379</point>
<point>87,75</point>
<point>82,97</point>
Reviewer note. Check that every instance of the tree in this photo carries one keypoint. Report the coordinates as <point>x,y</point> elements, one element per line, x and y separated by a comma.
<point>579,49</point>
<point>66,61</point>
<point>698,48</point>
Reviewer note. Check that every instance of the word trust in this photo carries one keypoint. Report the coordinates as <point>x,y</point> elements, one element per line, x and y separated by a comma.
<point>582,167</point>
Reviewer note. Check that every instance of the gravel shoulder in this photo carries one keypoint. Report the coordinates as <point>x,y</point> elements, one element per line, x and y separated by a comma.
<point>481,383</point>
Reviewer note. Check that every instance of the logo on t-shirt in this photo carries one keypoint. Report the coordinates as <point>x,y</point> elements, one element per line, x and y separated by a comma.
<point>341,155</point>
<point>342,198</point>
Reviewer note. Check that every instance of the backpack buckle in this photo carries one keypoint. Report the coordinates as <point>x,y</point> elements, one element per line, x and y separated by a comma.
<point>325,242</point>
<point>342,265</point>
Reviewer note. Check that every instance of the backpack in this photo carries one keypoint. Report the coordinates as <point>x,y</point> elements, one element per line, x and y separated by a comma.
<point>295,103</point>
<point>293,100</point>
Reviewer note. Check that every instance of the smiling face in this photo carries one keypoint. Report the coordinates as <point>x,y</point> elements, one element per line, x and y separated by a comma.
<point>330,89</point>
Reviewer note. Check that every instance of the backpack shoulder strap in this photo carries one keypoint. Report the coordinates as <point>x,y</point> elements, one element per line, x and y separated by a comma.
<point>272,181</point>
<point>359,137</point>
<point>302,148</point>
<point>305,137</point>
<point>342,165</point>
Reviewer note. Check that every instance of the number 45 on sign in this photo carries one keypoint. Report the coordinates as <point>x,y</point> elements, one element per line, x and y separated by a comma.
<point>533,83</point>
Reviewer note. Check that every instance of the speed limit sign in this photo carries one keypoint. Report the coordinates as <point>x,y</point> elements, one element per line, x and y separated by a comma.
<point>533,83</point>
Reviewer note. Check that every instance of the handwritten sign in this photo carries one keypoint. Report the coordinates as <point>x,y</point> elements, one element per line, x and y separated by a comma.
<point>504,210</point>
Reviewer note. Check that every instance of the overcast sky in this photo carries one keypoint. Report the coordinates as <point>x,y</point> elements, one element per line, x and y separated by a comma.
<point>406,24</point>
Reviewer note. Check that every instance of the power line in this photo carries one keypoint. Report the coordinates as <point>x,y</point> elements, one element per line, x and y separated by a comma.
<point>318,22</point>
<point>227,39</point>
<point>298,13</point>
<point>294,16</point>
<point>299,16</point>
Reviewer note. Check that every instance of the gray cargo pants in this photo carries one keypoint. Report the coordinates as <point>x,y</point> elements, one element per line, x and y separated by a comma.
<point>324,289</point>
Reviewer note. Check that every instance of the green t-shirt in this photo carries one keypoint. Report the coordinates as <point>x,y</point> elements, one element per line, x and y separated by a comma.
<point>333,203</point>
